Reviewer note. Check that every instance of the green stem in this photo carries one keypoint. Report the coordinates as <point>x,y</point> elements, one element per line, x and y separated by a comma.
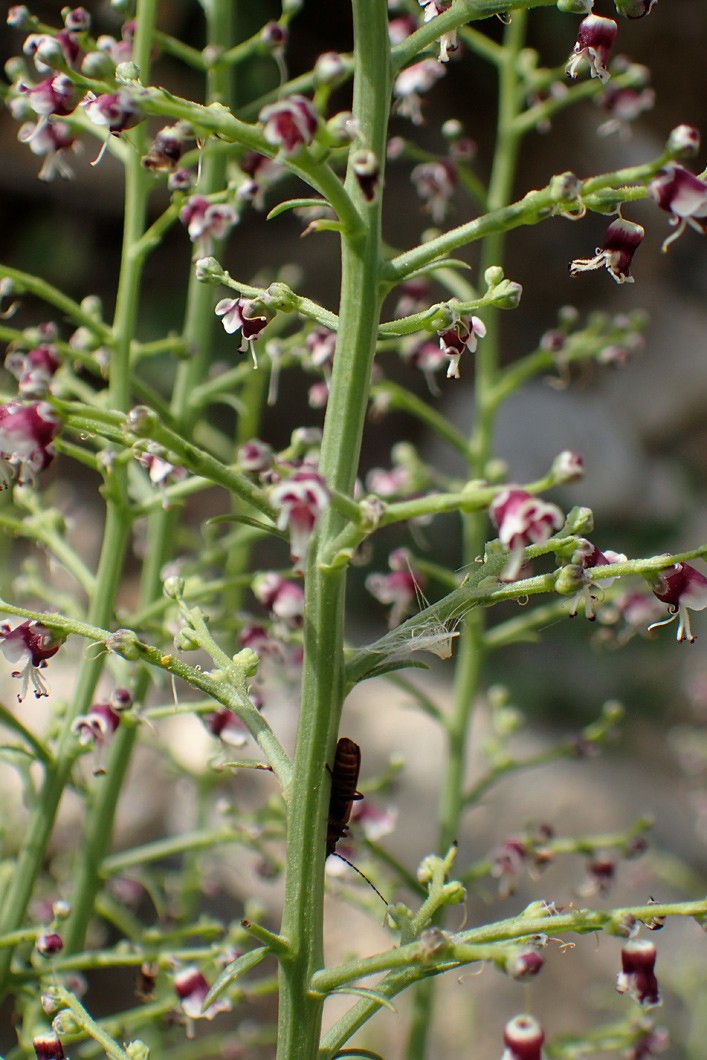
<point>322,681</point>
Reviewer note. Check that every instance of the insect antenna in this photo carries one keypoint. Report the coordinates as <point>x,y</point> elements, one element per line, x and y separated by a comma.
<point>363,874</point>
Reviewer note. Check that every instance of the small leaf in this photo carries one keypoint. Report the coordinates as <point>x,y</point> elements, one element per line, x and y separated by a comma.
<point>368,995</point>
<point>233,971</point>
<point>294,204</point>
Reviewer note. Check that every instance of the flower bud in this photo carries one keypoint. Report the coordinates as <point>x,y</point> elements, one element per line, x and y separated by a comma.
<point>493,276</point>
<point>66,1023</point>
<point>208,270</point>
<point>683,142</point>
<point>124,642</point>
<point>575,7</point>
<point>507,294</point>
<point>579,521</point>
<point>137,1050</point>
<point>523,1037</point>
<point>174,587</point>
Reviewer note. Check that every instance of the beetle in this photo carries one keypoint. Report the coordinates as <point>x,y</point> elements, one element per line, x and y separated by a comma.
<point>344,778</point>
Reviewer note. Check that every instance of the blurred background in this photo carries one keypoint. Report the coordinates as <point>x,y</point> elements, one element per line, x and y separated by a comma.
<point>641,429</point>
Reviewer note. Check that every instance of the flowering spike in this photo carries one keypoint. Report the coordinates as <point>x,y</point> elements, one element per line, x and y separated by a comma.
<point>594,39</point>
<point>621,240</point>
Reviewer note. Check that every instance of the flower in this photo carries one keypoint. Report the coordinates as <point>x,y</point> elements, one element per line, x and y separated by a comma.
<point>301,499</point>
<point>33,369</point>
<point>53,139</point>
<point>48,1047</point>
<point>26,436</point>
<point>55,95</point>
<point>447,41</point>
<point>594,39</point>
<point>284,598</point>
<point>682,194</point>
<point>261,173</point>
<point>191,988</point>
<point>51,51</point>
<point>600,875</point>
<point>637,977</point>
<point>682,588</point>
<point>166,150</point>
<point>224,724</point>
<point>434,183</point>
<point>115,111</point>
<point>522,520</point>
<point>49,943</point>
<point>32,644</point>
<point>635,8</point>
<point>411,83</point>
<point>523,964</point>
<point>247,315</point>
<point>463,335</point>
<point>254,456</point>
<point>289,124</point>
<point>623,105</point>
<point>399,588</point>
<point>621,240</point>
<point>97,728</point>
<point>586,556</point>
<point>160,472</point>
<point>523,1038</point>
<point>205,221</point>
<point>649,1042</point>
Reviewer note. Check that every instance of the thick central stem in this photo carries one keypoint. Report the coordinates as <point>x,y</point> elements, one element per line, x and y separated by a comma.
<point>322,682</point>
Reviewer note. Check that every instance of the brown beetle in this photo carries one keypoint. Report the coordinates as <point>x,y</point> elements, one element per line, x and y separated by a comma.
<point>344,778</point>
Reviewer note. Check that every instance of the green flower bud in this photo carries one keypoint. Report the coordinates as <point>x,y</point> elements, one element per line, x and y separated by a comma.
<point>124,642</point>
<point>634,8</point>
<point>174,588</point>
<point>137,1050</point>
<point>141,421</point>
<point>575,7</point>
<point>507,294</point>
<point>66,1023</point>
<point>569,580</point>
<point>208,270</point>
<point>493,276</point>
<point>579,521</point>
<point>247,660</point>
<point>453,893</point>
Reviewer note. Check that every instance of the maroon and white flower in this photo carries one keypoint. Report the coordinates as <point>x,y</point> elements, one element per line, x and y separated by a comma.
<point>224,724</point>
<point>523,1038</point>
<point>586,556</point>
<point>429,358</point>
<point>33,369</point>
<point>447,41</point>
<point>76,19</point>
<point>26,436</point>
<point>623,106</point>
<point>649,1042</point>
<point>524,964</point>
<point>206,221</point>
<point>594,39</point>
<point>255,456</point>
<point>53,140</point>
<point>684,589</point>
<point>300,501</point>
<point>289,124</point>
<point>637,975</point>
<point>96,728</point>
<point>600,875</point>
<point>52,51</point>
<point>411,84</point>
<point>463,335</point>
<point>166,150</point>
<point>56,95</point>
<point>522,520</point>
<point>49,943</point>
<point>247,315</point>
<point>434,182</point>
<point>48,1047</point>
<point>261,172</point>
<point>191,988</point>
<point>621,240</point>
<point>30,644</point>
<point>283,597</point>
<point>114,111</point>
<point>681,194</point>
<point>161,472</point>
<point>400,588</point>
